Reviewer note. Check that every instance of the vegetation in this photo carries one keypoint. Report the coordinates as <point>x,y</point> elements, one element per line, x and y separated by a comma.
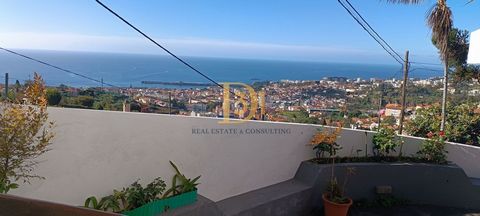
<point>92,98</point>
<point>385,141</point>
<point>440,21</point>
<point>300,116</point>
<point>128,198</point>
<point>462,125</point>
<point>25,134</point>
<point>53,96</point>
<point>433,148</point>
<point>185,184</point>
<point>136,195</point>
<point>336,192</point>
<point>458,45</point>
<point>383,201</point>
<point>372,159</point>
<point>325,141</point>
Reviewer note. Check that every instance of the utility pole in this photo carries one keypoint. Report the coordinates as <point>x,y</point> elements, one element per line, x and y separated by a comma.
<point>445,94</point>
<point>404,92</point>
<point>6,86</point>
<point>169,103</point>
<point>380,104</point>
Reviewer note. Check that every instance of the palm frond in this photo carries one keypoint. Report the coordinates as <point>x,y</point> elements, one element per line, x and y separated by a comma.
<point>440,21</point>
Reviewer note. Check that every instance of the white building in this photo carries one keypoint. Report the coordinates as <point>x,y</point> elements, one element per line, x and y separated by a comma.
<point>474,51</point>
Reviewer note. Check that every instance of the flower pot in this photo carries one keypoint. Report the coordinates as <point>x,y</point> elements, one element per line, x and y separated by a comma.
<point>157,207</point>
<point>335,209</point>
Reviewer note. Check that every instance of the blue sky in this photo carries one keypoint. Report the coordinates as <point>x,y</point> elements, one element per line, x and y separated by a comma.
<point>317,30</point>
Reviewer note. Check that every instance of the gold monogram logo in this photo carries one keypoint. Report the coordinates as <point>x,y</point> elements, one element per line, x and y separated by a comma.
<point>256,101</point>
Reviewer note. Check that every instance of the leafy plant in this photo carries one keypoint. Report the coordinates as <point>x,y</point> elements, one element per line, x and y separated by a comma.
<point>92,202</point>
<point>136,195</point>
<point>382,201</point>
<point>336,192</point>
<point>185,184</point>
<point>433,148</point>
<point>389,201</point>
<point>6,186</point>
<point>462,125</point>
<point>384,141</point>
<point>128,198</point>
<point>25,134</point>
<point>325,141</point>
<point>107,203</point>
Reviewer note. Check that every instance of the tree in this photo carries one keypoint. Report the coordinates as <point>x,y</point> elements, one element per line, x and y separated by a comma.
<point>53,96</point>
<point>458,45</point>
<point>439,20</point>
<point>83,100</point>
<point>389,120</point>
<point>25,134</point>
<point>104,102</point>
<point>17,86</point>
<point>181,105</point>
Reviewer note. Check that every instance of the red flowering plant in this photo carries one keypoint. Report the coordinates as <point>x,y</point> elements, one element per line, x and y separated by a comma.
<point>433,148</point>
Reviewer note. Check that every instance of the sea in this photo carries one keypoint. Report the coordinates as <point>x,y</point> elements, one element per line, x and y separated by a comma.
<point>126,70</point>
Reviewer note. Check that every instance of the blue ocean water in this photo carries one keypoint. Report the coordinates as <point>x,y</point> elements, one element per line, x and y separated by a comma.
<point>131,69</point>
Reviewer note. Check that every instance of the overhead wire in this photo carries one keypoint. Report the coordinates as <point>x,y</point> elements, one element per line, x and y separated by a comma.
<point>164,48</point>
<point>373,30</point>
<point>369,30</point>
<point>377,37</point>
<point>57,67</point>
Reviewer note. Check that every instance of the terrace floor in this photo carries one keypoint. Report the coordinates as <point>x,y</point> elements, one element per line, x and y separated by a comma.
<point>413,210</point>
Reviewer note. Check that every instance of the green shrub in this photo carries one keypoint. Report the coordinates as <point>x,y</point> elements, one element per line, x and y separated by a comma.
<point>136,195</point>
<point>433,149</point>
<point>462,123</point>
<point>384,141</point>
<point>128,198</point>
<point>53,96</point>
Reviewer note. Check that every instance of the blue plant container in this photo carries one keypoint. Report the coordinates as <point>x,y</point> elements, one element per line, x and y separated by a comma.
<point>159,206</point>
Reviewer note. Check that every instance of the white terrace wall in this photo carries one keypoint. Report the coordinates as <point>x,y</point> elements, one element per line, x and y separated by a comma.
<point>97,151</point>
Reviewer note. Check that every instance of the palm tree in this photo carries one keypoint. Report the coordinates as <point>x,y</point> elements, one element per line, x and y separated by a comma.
<point>439,20</point>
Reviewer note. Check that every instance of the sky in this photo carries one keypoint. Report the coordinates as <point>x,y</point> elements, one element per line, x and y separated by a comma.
<point>297,30</point>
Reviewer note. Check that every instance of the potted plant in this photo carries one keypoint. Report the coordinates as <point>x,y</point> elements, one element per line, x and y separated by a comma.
<point>137,200</point>
<point>334,200</point>
<point>182,192</point>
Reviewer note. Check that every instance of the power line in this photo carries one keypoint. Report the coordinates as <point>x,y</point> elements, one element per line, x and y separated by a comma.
<point>379,40</point>
<point>375,32</point>
<point>10,78</point>
<point>153,41</point>
<point>425,63</point>
<point>56,67</point>
<point>426,69</point>
<point>166,50</point>
<point>395,74</point>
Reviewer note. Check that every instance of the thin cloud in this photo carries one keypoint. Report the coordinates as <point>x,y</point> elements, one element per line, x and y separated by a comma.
<point>186,46</point>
